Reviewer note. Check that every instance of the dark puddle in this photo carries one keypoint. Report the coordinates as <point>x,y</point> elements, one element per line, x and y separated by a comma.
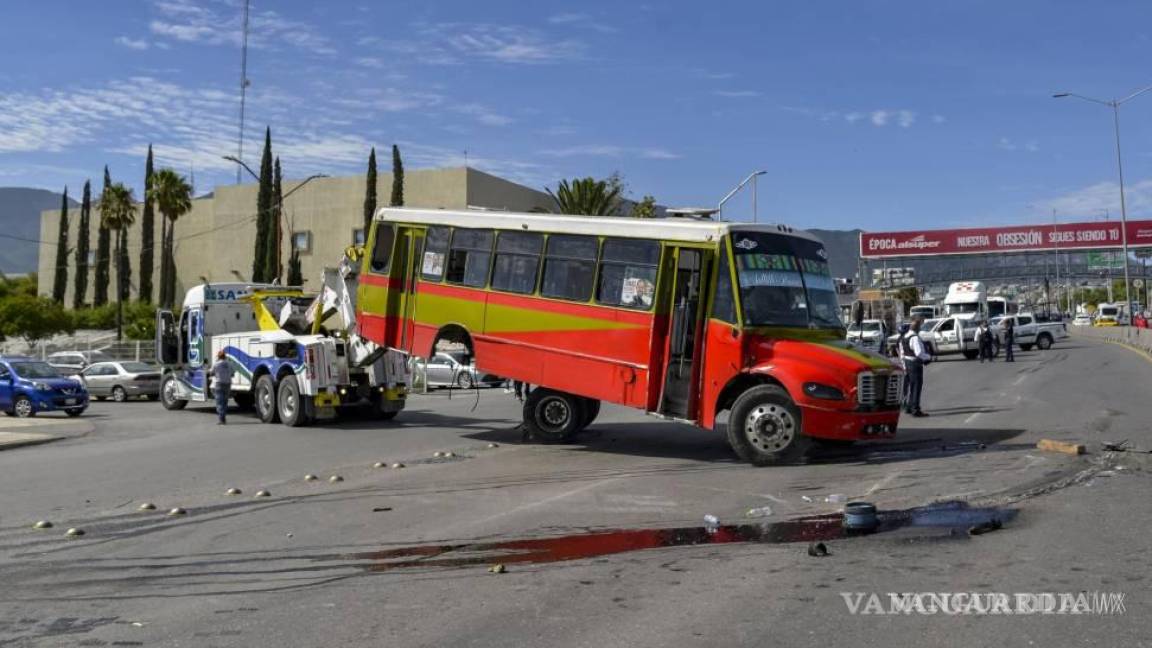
<point>949,515</point>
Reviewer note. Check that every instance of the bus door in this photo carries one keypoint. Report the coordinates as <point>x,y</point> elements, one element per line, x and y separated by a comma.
<point>404,271</point>
<point>386,282</point>
<point>681,368</point>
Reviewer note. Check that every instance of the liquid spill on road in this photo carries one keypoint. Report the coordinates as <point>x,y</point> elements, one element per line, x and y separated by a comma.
<point>950,515</point>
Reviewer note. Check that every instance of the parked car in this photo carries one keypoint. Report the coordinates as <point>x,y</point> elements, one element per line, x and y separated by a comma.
<point>29,386</point>
<point>1083,319</point>
<point>448,370</point>
<point>121,380</point>
<point>71,362</point>
<point>1028,331</point>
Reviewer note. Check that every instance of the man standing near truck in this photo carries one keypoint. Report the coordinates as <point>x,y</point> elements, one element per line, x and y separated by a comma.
<point>222,374</point>
<point>1009,339</point>
<point>914,356</point>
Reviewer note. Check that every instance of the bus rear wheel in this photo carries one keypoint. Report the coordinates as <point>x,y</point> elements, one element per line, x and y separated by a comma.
<point>553,416</point>
<point>764,427</point>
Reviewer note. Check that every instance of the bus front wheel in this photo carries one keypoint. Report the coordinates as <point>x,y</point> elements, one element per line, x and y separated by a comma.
<point>553,416</point>
<point>764,427</point>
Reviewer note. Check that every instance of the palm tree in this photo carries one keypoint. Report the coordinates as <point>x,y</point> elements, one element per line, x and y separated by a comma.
<point>173,197</point>
<point>117,214</point>
<point>586,196</point>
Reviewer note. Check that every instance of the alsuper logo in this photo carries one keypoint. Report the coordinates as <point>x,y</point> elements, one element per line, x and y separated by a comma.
<point>221,294</point>
<point>920,242</point>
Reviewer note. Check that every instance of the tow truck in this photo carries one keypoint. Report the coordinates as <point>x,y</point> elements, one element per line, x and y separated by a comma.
<point>298,357</point>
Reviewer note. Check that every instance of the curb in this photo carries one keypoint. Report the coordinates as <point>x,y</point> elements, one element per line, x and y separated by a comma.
<point>24,439</point>
<point>35,433</point>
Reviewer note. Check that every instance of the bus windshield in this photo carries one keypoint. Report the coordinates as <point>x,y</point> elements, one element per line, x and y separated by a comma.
<point>784,281</point>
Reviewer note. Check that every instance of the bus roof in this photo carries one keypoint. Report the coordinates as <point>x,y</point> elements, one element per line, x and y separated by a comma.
<point>674,228</point>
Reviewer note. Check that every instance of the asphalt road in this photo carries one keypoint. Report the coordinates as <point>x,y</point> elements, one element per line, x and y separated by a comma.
<point>401,556</point>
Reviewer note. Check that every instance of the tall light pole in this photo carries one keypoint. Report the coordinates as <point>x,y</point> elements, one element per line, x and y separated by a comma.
<point>751,178</point>
<point>243,86</point>
<point>1115,104</point>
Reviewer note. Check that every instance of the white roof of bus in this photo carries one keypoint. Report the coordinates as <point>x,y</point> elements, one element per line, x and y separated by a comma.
<point>679,229</point>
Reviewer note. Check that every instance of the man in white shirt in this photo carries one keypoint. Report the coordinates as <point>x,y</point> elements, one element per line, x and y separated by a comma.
<point>914,356</point>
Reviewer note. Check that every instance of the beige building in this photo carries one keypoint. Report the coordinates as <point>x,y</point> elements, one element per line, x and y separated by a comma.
<point>216,239</point>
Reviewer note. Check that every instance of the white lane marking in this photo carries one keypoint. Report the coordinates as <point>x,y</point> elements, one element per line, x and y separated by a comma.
<point>972,417</point>
<point>883,482</point>
<point>1020,379</point>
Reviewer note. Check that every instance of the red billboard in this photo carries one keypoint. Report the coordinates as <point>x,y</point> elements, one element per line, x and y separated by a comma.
<point>1015,238</point>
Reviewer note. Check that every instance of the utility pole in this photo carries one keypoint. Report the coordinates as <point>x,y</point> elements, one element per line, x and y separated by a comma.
<point>243,85</point>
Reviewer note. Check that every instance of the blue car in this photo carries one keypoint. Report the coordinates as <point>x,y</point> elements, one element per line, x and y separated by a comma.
<point>28,386</point>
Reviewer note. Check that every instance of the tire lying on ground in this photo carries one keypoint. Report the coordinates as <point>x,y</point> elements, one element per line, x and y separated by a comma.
<point>764,427</point>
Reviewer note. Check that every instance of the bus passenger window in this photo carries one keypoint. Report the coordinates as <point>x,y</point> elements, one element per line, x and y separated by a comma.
<point>517,259</point>
<point>435,249</point>
<point>723,305</point>
<point>628,273</point>
<point>569,267</point>
<point>469,256</point>
<point>382,249</point>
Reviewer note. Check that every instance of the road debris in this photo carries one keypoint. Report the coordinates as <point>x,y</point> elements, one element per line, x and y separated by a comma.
<point>986,527</point>
<point>381,509</point>
<point>497,569</point>
<point>493,445</point>
<point>817,550</point>
<point>147,506</point>
<point>711,523</point>
<point>836,498</point>
<point>43,524</point>
<point>860,516</point>
<point>1064,447</point>
<point>759,512</point>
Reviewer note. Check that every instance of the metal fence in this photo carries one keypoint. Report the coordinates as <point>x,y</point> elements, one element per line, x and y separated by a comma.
<point>138,350</point>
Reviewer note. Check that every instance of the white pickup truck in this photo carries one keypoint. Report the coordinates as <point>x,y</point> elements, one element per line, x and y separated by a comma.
<point>1029,332</point>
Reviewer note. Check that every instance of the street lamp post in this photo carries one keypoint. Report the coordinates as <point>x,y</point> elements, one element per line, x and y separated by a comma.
<point>1115,104</point>
<point>751,178</point>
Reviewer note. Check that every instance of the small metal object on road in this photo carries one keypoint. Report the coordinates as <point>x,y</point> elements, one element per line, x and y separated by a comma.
<point>986,527</point>
<point>497,569</point>
<point>1064,447</point>
<point>42,524</point>
<point>147,506</point>
<point>335,478</point>
<point>817,550</point>
<point>74,532</point>
<point>379,464</point>
<point>397,465</point>
<point>310,477</point>
<point>287,535</point>
<point>836,498</point>
<point>263,493</point>
<point>234,491</point>
<point>760,511</point>
<point>860,516</point>
<point>493,445</point>
<point>177,512</point>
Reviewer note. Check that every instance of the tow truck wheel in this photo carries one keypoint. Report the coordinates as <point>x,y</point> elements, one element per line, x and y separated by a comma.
<point>591,411</point>
<point>167,394</point>
<point>294,412</point>
<point>764,427</point>
<point>553,416</point>
<point>266,399</point>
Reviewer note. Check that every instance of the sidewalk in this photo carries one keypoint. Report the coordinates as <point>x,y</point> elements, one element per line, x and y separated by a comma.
<point>15,433</point>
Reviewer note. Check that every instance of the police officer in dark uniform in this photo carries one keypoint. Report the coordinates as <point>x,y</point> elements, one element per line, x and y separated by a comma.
<point>1009,339</point>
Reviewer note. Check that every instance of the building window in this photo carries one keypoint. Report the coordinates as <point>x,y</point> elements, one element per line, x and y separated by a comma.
<point>517,260</point>
<point>469,257</point>
<point>628,273</point>
<point>302,242</point>
<point>382,248</point>
<point>435,250</point>
<point>569,267</point>
<point>358,236</point>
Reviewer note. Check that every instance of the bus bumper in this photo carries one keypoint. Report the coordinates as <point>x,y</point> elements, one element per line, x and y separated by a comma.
<point>849,425</point>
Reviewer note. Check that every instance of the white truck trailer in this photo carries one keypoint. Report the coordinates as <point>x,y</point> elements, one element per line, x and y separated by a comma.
<point>295,367</point>
<point>966,299</point>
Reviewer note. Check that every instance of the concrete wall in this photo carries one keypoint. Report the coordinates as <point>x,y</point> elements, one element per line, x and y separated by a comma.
<point>1132,336</point>
<point>217,236</point>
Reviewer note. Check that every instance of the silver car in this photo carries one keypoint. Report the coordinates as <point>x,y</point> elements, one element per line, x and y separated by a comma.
<point>447,370</point>
<point>121,380</point>
<point>69,362</point>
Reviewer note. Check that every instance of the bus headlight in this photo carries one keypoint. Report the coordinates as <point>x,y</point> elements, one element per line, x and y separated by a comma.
<point>824,392</point>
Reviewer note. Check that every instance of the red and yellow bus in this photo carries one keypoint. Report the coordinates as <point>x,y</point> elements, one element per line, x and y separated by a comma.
<point>681,318</point>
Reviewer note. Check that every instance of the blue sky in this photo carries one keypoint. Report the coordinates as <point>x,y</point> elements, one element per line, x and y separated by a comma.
<point>879,114</point>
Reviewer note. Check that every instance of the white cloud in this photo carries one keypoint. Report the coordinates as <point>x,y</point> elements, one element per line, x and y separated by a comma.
<point>457,43</point>
<point>581,20</point>
<point>610,150</point>
<point>880,117</point>
<point>124,41</point>
<point>219,22</point>
<point>854,117</point>
<point>483,115</point>
<point>370,62</point>
<point>938,119</point>
<point>905,118</point>
<point>1006,144</point>
<point>737,93</point>
<point>1088,203</point>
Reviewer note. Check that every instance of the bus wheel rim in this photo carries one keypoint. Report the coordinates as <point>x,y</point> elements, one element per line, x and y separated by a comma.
<point>770,427</point>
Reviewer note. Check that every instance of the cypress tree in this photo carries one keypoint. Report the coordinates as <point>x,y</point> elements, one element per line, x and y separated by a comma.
<point>147,234</point>
<point>397,178</point>
<point>263,212</point>
<point>124,266</point>
<point>60,280</point>
<point>103,254</point>
<point>370,194</point>
<point>275,246</point>
<point>80,290</point>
